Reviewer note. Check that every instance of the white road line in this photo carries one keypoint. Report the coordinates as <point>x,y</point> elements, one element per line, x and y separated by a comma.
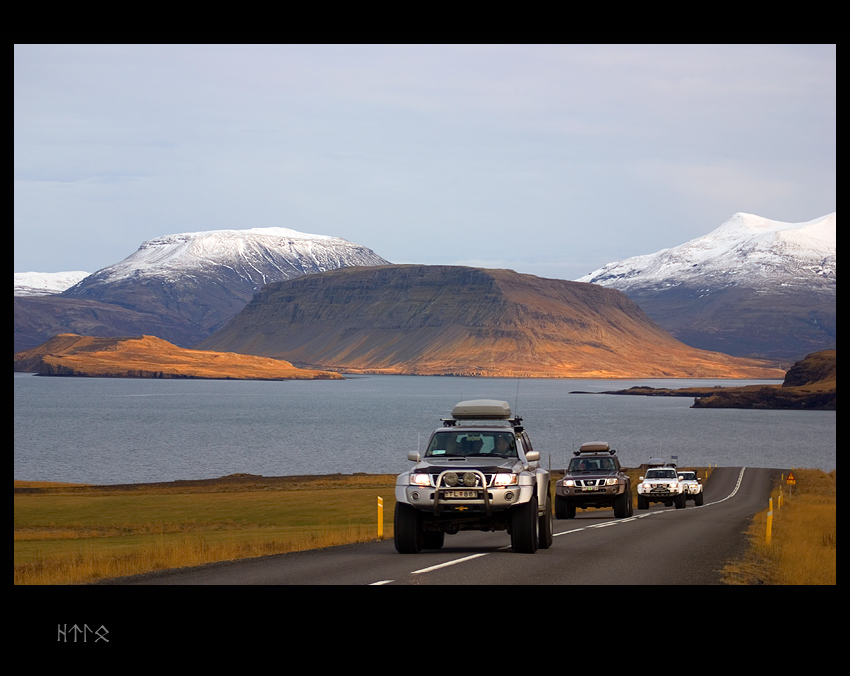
<point>574,530</point>
<point>448,563</point>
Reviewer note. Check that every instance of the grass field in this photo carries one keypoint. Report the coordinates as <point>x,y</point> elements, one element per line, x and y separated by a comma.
<point>67,534</point>
<point>802,549</point>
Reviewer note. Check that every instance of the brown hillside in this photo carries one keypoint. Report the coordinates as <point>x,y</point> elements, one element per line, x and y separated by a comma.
<point>69,354</point>
<point>467,321</point>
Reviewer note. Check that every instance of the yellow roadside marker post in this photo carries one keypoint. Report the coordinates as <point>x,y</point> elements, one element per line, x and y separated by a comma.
<point>380,517</point>
<point>769,521</point>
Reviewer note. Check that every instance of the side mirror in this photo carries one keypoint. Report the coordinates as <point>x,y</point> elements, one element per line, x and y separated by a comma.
<point>532,456</point>
<point>640,478</point>
<point>413,456</point>
<point>681,478</point>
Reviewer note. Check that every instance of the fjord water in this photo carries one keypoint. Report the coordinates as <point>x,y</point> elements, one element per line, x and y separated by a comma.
<point>110,431</point>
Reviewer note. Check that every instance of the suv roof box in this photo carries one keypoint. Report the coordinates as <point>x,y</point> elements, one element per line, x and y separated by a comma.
<point>594,447</point>
<point>482,409</point>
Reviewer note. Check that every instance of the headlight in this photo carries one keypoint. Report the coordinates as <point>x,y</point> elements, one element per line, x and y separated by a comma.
<point>569,482</point>
<point>611,482</point>
<point>420,480</point>
<point>505,480</point>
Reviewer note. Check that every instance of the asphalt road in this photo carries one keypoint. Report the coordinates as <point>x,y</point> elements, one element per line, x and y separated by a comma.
<point>661,545</point>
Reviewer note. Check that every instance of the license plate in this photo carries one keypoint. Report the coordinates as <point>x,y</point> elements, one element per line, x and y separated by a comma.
<point>590,489</point>
<point>460,494</point>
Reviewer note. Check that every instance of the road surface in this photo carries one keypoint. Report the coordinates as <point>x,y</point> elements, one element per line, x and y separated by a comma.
<point>660,545</point>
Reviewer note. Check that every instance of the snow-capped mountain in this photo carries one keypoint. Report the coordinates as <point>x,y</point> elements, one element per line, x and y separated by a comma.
<point>46,283</point>
<point>752,287</point>
<point>256,255</point>
<point>183,287</point>
<point>746,250</point>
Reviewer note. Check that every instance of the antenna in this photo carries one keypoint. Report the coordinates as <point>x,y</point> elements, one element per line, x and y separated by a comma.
<point>516,402</point>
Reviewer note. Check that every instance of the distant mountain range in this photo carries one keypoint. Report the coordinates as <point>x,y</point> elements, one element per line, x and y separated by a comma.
<point>752,287</point>
<point>182,287</point>
<point>451,320</point>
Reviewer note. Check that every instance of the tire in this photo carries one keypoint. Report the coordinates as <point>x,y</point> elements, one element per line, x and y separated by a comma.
<point>699,499</point>
<point>408,535</point>
<point>563,508</point>
<point>621,505</point>
<point>681,501</point>
<point>524,527</point>
<point>545,526</point>
<point>643,503</point>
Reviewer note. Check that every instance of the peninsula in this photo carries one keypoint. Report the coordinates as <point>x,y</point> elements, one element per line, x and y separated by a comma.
<point>69,354</point>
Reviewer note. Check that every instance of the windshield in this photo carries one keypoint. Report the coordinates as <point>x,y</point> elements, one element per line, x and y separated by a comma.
<point>689,476</point>
<point>591,465</point>
<point>467,443</point>
<point>661,474</point>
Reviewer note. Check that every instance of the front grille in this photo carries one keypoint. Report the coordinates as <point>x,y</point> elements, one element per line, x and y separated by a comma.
<point>460,473</point>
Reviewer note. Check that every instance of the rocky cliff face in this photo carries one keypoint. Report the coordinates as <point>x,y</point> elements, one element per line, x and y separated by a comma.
<point>467,321</point>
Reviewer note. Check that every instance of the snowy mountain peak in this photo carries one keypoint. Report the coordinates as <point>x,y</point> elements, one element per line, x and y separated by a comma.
<point>746,250</point>
<point>258,255</point>
<point>46,283</point>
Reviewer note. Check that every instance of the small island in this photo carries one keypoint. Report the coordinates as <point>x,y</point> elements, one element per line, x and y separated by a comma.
<point>809,384</point>
<point>69,354</point>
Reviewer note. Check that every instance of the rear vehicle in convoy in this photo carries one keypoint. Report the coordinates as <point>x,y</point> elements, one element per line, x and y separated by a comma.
<point>661,484</point>
<point>594,478</point>
<point>478,472</point>
<point>693,487</point>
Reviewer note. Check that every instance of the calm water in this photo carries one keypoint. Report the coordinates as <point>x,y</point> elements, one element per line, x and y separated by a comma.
<point>109,431</point>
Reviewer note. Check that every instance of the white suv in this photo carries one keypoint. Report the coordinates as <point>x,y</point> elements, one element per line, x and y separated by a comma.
<point>693,487</point>
<point>662,484</point>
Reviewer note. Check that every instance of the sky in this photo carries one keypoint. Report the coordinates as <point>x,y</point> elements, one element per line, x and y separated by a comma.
<point>551,160</point>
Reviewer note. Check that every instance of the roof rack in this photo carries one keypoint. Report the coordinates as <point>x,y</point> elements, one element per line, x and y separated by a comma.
<point>483,409</point>
<point>595,447</point>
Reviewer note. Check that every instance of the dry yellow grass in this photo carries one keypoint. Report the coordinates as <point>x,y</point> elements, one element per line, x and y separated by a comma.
<point>802,550</point>
<point>67,534</point>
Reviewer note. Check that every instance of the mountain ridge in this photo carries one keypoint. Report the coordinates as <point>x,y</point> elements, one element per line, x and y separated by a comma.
<point>454,320</point>
<point>752,287</point>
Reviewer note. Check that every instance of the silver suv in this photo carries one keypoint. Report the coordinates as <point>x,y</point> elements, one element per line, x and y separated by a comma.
<point>478,472</point>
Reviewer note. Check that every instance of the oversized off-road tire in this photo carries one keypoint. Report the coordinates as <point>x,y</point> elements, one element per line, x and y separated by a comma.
<point>622,505</point>
<point>408,535</point>
<point>643,503</point>
<point>524,527</point>
<point>699,499</point>
<point>546,526</point>
<point>681,501</point>
<point>564,509</point>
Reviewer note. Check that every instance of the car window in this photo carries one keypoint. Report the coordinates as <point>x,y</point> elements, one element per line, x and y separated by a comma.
<point>468,443</point>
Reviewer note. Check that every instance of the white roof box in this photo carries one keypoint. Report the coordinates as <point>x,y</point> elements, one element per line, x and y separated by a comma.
<point>482,409</point>
<point>594,447</point>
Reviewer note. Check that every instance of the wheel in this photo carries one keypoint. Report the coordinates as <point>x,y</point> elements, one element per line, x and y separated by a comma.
<point>631,503</point>
<point>408,535</point>
<point>524,527</point>
<point>681,501</point>
<point>545,526</point>
<point>643,503</point>
<point>433,539</point>
<point>621,505</point>
<point>699,499</point>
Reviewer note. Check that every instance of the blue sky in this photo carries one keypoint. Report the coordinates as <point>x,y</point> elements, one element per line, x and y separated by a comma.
<point>546,159</point>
